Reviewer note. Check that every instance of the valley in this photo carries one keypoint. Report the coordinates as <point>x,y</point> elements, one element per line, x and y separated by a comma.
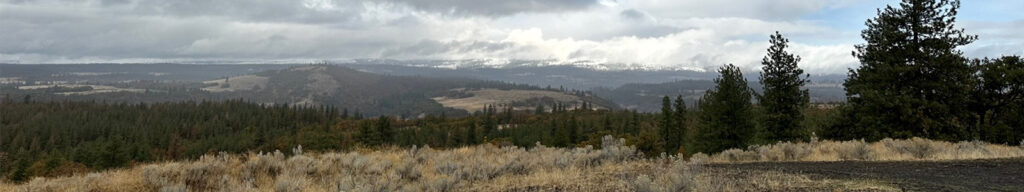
<point>342,85</point>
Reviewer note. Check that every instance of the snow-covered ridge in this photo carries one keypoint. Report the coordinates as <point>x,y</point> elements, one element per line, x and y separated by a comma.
<point>514,63</point>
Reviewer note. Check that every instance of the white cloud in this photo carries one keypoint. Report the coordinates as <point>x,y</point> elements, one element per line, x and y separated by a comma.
<point>626,33</point>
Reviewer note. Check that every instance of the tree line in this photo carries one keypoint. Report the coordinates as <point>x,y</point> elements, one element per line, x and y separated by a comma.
<point>912,81</point>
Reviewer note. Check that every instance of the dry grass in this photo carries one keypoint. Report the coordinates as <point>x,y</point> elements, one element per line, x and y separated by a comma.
<point>247,82</point>
<point>95,89</point>
<point>884,150</point>
<point>613,167</point>
<point>484,97</point>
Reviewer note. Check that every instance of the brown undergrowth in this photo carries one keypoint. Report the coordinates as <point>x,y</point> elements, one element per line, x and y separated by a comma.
<point>611,167</point>
<point>914,149</point>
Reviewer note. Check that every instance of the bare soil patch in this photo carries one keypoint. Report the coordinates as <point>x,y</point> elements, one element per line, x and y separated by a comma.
<point>955,175</point>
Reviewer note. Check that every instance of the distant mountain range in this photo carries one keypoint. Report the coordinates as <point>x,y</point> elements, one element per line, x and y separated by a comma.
<point>388,94</point>
<point>639,89</point>
<point>304,85</point>
<point>384,86</point>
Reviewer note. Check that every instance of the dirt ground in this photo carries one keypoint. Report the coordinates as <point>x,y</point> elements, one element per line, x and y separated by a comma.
<point>961,175</point>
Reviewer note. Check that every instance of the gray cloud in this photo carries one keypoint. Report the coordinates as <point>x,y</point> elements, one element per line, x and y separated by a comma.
<point>438,49</point>
<point>768,10</point>
<point>498,7</point>
<point>650,33</point>
<point>995,38</point>
<point>199,29</point>
<point>633,14</point>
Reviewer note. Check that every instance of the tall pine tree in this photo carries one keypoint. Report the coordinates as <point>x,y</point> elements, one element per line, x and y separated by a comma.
<point>384,130</point>
<point>783,100</point>
<point>912,81</point>
<point>679,126</point>
<point>999,99</point>
<point>471,137</point>
<point>367,134</point>
<point>726,114</point>
<point>665,125</point>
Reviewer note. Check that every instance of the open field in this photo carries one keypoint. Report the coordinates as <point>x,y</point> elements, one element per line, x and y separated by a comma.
<point>247,82</point>
<point>94,89</point>
<point>484,97</point>
<point>612,167</point>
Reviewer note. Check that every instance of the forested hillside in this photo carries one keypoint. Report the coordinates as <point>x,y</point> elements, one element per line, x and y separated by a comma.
<point>59,138</point>
<point>320,84</point>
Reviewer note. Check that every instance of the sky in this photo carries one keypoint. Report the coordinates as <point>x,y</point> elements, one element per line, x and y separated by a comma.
<point>652,34</point>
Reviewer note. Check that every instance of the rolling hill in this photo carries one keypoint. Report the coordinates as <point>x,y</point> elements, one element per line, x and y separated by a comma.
<point>375,94</point>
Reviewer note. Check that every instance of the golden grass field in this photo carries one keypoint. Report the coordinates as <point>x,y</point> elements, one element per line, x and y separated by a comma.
<point>613,167</point>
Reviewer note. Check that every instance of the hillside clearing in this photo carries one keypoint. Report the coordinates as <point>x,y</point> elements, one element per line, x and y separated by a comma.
<point>93,89</point>
<point>483,97</point>
<point>247,82</point>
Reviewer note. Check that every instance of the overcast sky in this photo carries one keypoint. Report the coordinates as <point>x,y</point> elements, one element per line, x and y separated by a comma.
<point>693,34</point>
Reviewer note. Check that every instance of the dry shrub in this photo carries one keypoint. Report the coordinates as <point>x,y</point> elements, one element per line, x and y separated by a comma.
<point>207,174</point>
<point>174,188</point>
<point>854,150</point>
<point>157,176</point>
<point>612,167</point>
<point>614,150</point>
<point>289,183</point>
<point>261,168</point>
<point>677,176</point>
<point>883,150</point>
<point>86,183</point>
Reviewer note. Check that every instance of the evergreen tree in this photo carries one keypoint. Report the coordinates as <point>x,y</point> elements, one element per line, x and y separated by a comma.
<point>999,99</point>
<point>572,130</point>
<point>471,137</point>
<point>783,99</point>
<point>606,123</point>
<point>367,135</point>
<point>912,81</point>
<point>679,131</point>
<point>634,123</point>
<point>490,125</point>
<point>665,125</point>
<point>726,113</point>
<point>20,171</point>
<point>385,131</point>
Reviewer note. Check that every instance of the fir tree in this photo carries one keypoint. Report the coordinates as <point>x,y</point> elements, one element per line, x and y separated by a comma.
<point>471,137</point>
<point>783,100</point>
<point>999,99</point>
<point>367,135</point>
<point>606,123</point>
<point>679,129</point>
<point>634,123</point>
<point>20,171</point>
<point>912,79</point>
<point>489,123</point>
<point>385,131</point>
<point>665,125</point>
<point>726,113</point>
<point>572,130</point>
